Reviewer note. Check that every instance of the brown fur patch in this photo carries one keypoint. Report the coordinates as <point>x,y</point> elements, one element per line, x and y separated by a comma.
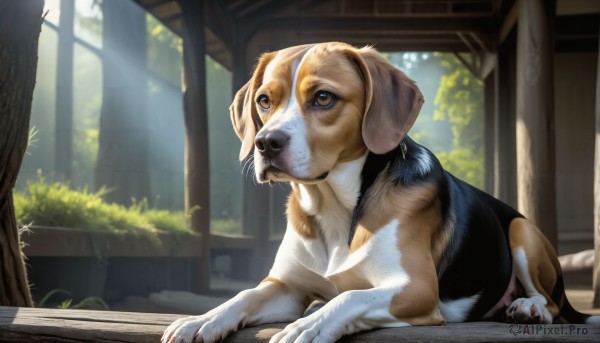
<point>274,280</point>
<point>334,134</point>
<point>393,102</point>
<point>542,261</point>
<point>440,239</point>
<point>418,302</point>
<point>304,224</point>
<point>243,113</point>
<point>417,209</point>
<point>407,204</point>
<point>361,236</point>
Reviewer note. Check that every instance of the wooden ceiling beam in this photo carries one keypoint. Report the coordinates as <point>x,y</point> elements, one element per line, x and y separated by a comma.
<point>372,24</point>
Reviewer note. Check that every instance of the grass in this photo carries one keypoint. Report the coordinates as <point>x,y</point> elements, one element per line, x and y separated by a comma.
<point>89,303</point>
<point>57,204</point>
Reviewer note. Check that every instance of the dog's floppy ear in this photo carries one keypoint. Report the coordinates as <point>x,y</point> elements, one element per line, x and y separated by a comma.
<point>244,116</point>
<point>392,101</point>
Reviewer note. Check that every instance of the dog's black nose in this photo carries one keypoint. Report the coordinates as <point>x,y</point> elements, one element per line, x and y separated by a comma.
<point>270,144</point>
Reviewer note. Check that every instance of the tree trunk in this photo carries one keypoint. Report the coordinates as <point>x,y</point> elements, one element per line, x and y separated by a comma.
<point>122,164</point>
<point>20,26</point>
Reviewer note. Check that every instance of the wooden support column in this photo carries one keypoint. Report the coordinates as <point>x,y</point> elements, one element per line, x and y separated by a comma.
<point>596,277</point>
<point>505,174</point>
<point>535,116</point>
<point>488,136</point>
<point>64,92</point>
<point>256,207</point>
<point>196,168</point>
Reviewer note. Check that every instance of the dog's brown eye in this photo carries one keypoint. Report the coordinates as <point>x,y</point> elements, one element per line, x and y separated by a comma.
<point>264,102</point>
<point>324,99</point>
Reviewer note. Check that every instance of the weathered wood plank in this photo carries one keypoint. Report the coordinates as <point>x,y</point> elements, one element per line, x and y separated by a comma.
<point>80,243</point>
<point>29,324</point>
<point>51,325</point>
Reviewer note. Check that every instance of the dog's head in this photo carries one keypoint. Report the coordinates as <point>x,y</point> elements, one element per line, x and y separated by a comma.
<point>308,108</point>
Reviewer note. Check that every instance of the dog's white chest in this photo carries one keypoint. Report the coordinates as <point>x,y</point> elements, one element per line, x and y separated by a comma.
<point>378,259</point>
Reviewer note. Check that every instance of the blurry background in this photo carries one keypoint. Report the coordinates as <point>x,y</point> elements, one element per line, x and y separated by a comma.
<point>105,162</point>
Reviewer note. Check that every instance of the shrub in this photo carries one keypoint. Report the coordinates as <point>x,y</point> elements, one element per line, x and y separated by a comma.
<point>56,204</point>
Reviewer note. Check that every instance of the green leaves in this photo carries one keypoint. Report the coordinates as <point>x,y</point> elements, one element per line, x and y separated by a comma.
<point>459,100</point>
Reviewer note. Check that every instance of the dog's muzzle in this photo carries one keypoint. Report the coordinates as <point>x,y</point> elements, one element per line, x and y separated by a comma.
<point>271,143</point>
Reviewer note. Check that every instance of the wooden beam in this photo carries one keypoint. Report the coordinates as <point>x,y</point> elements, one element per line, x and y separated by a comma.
<point>596,276</point>
<point>535,116</point>
<point>369,24</point>
<point>406,24</point>
<point>505,187</point>
<point>43,325</point>
<point>509,21</point>
<point>255,5</point>
<point>577,33</point>
<point>489,84</point>
<point>197,162</point>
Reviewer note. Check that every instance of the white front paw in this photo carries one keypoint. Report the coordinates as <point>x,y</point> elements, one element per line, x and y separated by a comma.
<point>204,329</point>
<point>306,330</point>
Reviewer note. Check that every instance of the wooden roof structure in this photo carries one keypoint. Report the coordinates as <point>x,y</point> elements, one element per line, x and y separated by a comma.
<point>408,25</point>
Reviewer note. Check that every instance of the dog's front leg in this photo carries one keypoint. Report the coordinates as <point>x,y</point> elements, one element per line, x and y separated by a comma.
<point>271,301</point>
<point>347,313</point>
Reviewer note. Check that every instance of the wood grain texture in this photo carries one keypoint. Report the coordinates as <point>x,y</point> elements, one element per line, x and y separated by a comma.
<point>51,325</point>
<point>20,25</point>
<point>535,127</point>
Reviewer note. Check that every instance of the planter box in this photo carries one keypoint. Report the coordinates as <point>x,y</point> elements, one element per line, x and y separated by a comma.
<point>65,242</point>
<point>116,266</point>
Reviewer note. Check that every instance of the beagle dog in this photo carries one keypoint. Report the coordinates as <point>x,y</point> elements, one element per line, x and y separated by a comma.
<point>377,230</point>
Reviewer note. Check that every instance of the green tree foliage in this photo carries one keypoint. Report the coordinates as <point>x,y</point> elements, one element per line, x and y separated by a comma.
<point>459,100</point>
<point>452,124</point>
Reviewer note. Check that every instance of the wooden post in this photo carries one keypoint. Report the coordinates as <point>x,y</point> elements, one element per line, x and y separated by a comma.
<point>596,278</point>
<point>488,136</point>
<point>196,168</point>
<point>505,186</point>
<point>256,207</point>
<point>535,116</point>
<point>64,92</point>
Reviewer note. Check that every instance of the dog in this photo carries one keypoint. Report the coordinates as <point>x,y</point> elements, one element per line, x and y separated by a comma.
<point>377,230</point>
